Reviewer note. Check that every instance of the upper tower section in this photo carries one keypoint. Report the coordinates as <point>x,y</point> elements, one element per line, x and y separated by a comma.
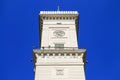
<point>58,28</point>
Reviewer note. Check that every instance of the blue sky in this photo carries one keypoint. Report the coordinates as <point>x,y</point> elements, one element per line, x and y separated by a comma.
<point>98,32</point>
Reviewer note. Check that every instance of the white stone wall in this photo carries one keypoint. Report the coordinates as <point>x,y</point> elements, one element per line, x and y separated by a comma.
<point>68,73</point>
<point>68,26</point>
<point>72,67</point>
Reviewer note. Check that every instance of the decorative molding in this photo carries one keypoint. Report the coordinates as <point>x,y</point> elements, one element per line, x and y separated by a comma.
<point>60,64</point>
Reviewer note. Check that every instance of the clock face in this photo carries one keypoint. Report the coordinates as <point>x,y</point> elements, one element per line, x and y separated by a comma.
<point>59,33</point>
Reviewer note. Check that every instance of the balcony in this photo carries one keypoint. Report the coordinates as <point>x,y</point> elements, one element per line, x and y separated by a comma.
<point>58,50</point>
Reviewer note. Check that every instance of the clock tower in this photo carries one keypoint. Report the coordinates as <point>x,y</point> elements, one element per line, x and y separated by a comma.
<point>59,58</point>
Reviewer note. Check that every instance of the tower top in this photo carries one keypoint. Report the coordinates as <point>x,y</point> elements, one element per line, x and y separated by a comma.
<point>58,12</point>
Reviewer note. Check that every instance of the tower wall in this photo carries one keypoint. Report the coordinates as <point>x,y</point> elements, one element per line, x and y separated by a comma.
<point>69,73</point>
<point>50,26</point>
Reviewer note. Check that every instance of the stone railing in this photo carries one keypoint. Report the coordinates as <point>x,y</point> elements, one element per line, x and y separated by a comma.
<point>58,49</point>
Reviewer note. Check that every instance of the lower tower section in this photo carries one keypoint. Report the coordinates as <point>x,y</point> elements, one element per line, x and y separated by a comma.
<point>52,64</point>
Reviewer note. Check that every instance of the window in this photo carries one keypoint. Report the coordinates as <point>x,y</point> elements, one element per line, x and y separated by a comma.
<point>59,46</point>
